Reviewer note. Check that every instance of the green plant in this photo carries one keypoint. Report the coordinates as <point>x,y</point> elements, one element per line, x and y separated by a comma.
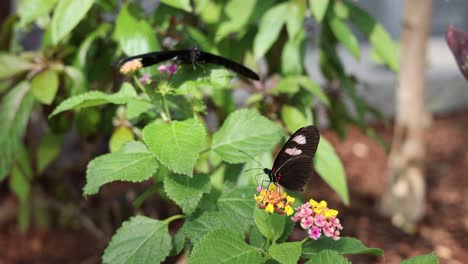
<point>160,132</point>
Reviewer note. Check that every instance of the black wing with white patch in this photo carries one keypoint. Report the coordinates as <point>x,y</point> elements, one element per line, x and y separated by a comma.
<point>294,163</point>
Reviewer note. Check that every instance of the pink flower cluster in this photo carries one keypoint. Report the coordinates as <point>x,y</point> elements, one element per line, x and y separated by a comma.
<point>318,219</point>
<point>171,69</point>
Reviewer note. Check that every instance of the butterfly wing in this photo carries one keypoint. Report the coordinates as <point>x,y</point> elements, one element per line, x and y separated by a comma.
<point>152,58</point>
<point>294,163</point>
<point>227,63</point>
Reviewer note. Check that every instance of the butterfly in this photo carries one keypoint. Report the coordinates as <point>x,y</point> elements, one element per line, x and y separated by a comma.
<point>294,163</point>
<point>190,56</point>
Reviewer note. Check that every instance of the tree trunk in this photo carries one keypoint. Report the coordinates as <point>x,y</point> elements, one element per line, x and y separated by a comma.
<point>404,199</point>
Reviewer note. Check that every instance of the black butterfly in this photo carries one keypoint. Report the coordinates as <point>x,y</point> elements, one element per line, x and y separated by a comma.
<point>190,56</point>
<point>294,163</point>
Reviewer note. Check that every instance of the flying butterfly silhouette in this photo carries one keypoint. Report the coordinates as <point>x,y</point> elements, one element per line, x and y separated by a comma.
<point>294,163</point>
<point>190,56</point>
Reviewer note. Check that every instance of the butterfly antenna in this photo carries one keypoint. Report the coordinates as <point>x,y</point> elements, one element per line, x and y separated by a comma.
<point>253,169</point>
<point>251,157</point>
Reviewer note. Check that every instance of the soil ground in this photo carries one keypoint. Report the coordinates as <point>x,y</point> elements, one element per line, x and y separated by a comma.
<point>443,230</point>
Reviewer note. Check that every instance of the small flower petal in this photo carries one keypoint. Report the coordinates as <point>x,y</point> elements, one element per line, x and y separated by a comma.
<point>269,208</point>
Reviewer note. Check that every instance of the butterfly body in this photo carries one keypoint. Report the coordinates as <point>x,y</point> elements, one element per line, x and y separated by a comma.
<point>294,163</point>
<point>190,56</point>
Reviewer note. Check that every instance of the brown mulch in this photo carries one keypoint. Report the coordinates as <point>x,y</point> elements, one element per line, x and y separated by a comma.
<point>444,229</point>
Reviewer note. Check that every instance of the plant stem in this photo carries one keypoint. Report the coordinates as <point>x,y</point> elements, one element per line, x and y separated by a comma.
<point>172,218</point>
<point>146,90</point>
<point>166,109</point>
<point>305,240</point>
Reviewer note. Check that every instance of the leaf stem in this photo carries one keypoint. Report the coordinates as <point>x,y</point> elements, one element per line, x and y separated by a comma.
<point>172,218</point>
<point>166,109</point>
<point>305,240</point>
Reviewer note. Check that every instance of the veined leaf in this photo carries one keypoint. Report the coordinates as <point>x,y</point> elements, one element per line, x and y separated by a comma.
<point>224,246</point>
<point>95,98</point>
<point>248,131</point>
<point>286,253</point>
<point>139,240</point>
<point>239,203</point>
<point>209,221</point>
<point>176,144</point>
<point>328,256</point>
<point>187,192</point>
<point>270,225</point>
<point>430,258</point>
<point>344,246</point>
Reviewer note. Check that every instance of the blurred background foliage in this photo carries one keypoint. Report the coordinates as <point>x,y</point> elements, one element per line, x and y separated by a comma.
<point>54,49</point>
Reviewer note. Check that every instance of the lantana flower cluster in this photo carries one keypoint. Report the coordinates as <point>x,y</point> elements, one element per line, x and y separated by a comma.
<point>317,218</point>
<point>131,66</point>
<point>272,200</point>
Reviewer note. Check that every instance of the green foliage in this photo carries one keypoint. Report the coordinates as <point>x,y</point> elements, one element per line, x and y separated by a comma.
<point>236,134</point>
<point>139,240</point>
<point>224,246</point>
<point>430,258</point>
<point>67,14</point>
<point>271,226</point>
<point>169,141</point>
<point>328,256</point>
<point>330,168</point>
<point>287,253</point>
<point>343,246</point>
<point>12,65</point>
<point>210,221</point>
<point>44,86</point>
<point>187,192</point>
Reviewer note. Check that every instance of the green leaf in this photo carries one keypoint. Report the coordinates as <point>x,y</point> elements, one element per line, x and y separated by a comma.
<point>430,258</point>
<point>319,8</point>
<point>239,202</point>
<point>120,136</point>
<point>236,134</point>
<point>291,57</point>
<point>67,14</point>
<point>224,246</point>
<point>21,174</point>
<point>133,167</point>
<point>345,35</point>
<point>270,27</point>
<point>207,222</point>
<point>100,32</point>
<point>328,256</point>
<point>48,150</point>
<point>237,14</point>
<point>179,4</point>
<point>44,86</point>
<point>176,144</point>
<point>30,10</point>
<point>95,98</point>
<point>287,85</point>
<point>12,65</point>
<point>376,33</point>
<point>79,83</point>
<point>135,36</point>
<point>293,118</point>
<point>344,246</point>
<point>295,19</point>
<point>139,240</point>
<point>314,88</point>
<point>330,168</point>
<point>187,192</point>
<point>286,253</point>
<point>178,242</point>
<point>15,108</point>
<point>270,225</point>
<point>137,107</point>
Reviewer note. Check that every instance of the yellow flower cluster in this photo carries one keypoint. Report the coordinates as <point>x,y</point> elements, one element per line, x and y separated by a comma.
<point>321,208</point>
<point>131,66</point>
<point>271,200</point>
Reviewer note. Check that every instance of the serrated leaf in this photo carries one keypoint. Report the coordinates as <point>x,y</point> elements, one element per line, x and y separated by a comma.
<point>67,14</point>
<point>236,134</point>
<point>293,118</point>
<point>224,246</point>
<point>330,168</point>
<point>328,256</point>
<point>30,10</point>
<point>44,86</point>
<point>135,36</point>
<point>133,147</point>
<point>286,253</point>
<point>176,144</point>
<point>238,202</point>
<point>207,222</point>
<point>270,225</point>
<point>137,107</point>
<point>118,166</point>
<point>48,149</point>
<point>139,240</point>
<point>95,98</point>
<point>344,34</point>
<point>376,33</point>
<point>314,88</point>
<point>270,27</point>
<point>12,65</point>
<point>15,108</point>
<point>187,192</point>
<point>120,136</point>
<point>319,8</point>
<point>344,246</point>
<point>179,4</point>
<point>430,258</point>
